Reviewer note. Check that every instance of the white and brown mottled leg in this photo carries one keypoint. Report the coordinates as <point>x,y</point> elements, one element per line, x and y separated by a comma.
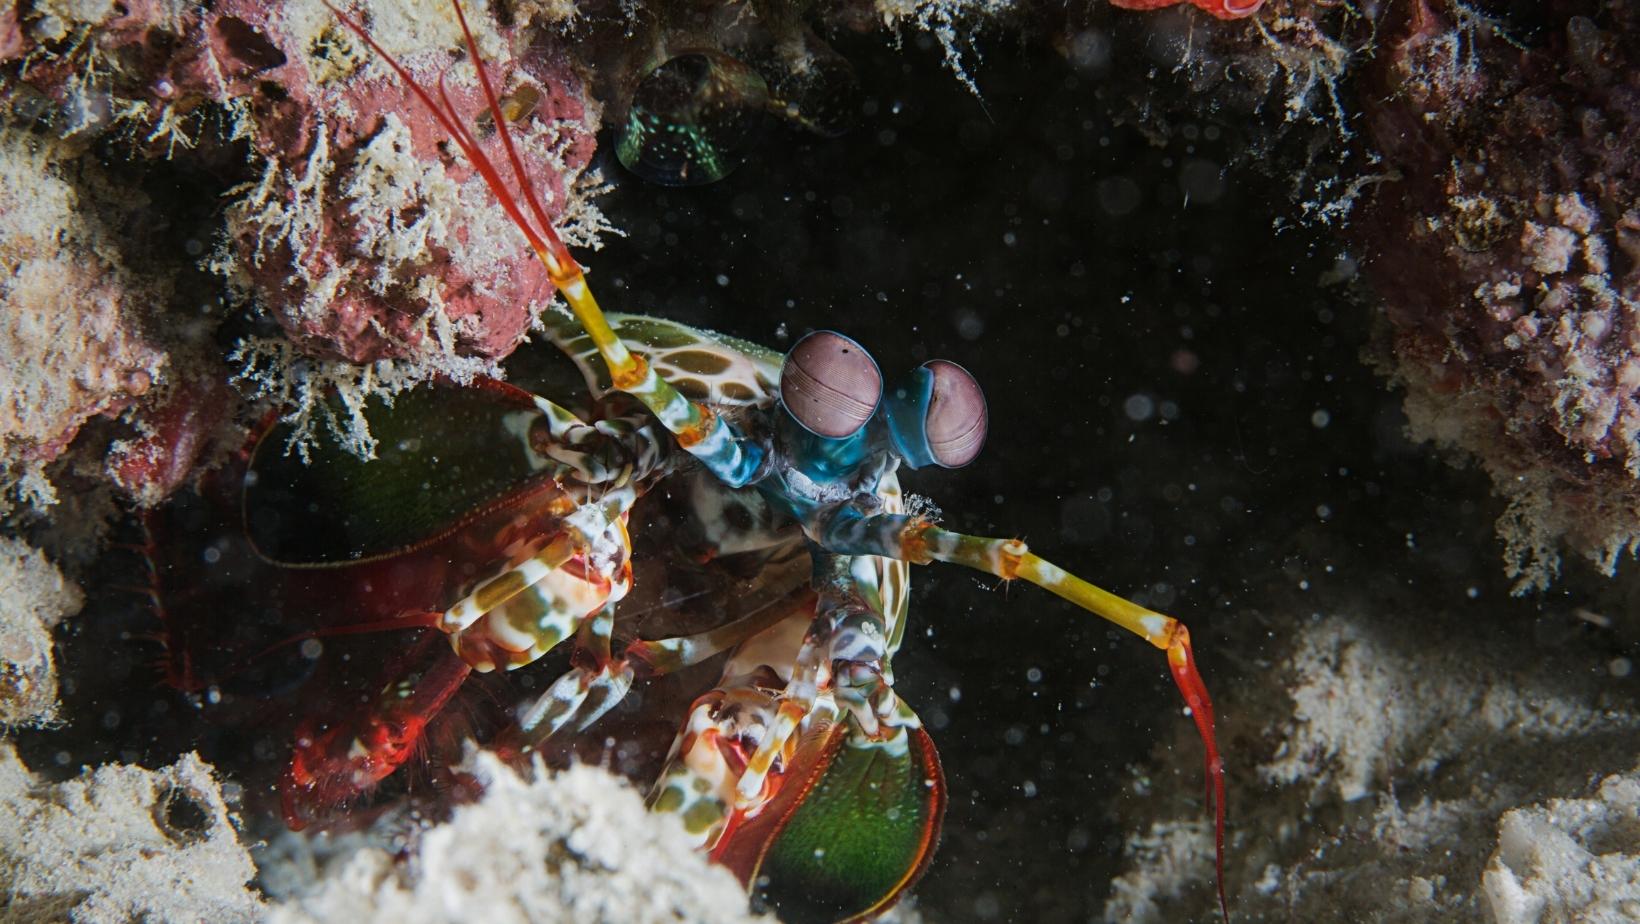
<point>842,657</point>
<point>586,692</point>
<point>729,723</point>
<point>916,540</point>
<point>570,587</point>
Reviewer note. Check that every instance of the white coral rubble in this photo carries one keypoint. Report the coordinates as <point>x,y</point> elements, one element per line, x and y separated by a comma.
<point>1570,859</point>
<point>34,597</point>
<point>572,846</point>
<point>120,844</point>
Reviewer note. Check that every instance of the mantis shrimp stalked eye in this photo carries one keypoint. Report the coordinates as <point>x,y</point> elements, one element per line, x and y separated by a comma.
<point>938,416</point>
<point>830,384</point>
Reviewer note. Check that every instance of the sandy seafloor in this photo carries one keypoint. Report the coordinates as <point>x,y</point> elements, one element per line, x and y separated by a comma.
<point>1179,411</point>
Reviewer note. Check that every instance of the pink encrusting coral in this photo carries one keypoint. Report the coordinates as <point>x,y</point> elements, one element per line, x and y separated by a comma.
<point>360,233</point>
<point>365,238</point>
<point>73,333</point>
<point>1508,253</point>
<point>1223,9</point>
<point>176,430</point>
<point>97,64</point>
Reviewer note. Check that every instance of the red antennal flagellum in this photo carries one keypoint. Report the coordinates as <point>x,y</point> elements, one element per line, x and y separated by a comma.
<point>1181,659</point>
<point>542,238</point>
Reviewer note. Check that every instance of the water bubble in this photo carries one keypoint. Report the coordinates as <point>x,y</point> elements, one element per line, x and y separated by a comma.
<point>1119,195</point>
<point>1138,408</point>
<point>1090,52</point>
<point>1084,519</point>
<point>691,119</point>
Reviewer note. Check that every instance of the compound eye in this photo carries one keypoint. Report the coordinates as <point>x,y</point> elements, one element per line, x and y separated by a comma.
<point>830,384</point>
<point>957,420</point>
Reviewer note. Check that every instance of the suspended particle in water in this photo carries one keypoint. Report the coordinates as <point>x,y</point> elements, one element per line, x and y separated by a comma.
<point>692,119</point>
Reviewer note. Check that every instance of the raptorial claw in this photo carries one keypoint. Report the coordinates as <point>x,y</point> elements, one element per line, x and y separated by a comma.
<point>575,701</point>
<point>335,764</point>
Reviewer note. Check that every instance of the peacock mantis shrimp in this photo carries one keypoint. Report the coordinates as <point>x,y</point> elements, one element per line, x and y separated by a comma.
<point>499,518</point>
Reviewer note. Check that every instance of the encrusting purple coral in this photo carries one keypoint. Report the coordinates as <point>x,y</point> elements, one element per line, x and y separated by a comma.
<point>1508,255</point>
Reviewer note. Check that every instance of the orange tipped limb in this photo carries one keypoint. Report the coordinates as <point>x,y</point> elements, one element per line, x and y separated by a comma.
<point>1010,558</point>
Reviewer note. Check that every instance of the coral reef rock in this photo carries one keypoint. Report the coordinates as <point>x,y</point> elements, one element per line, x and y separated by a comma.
<point>34,597</point>
<point>119,844</point>
<point>71,330</point>
<point>92,65</point>
<point>1399,748</point>
<point>368,237</point>
<point>571,846</point>
<point>1507,249</point>
<point>176,428</point>
<point>1570,859</point>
